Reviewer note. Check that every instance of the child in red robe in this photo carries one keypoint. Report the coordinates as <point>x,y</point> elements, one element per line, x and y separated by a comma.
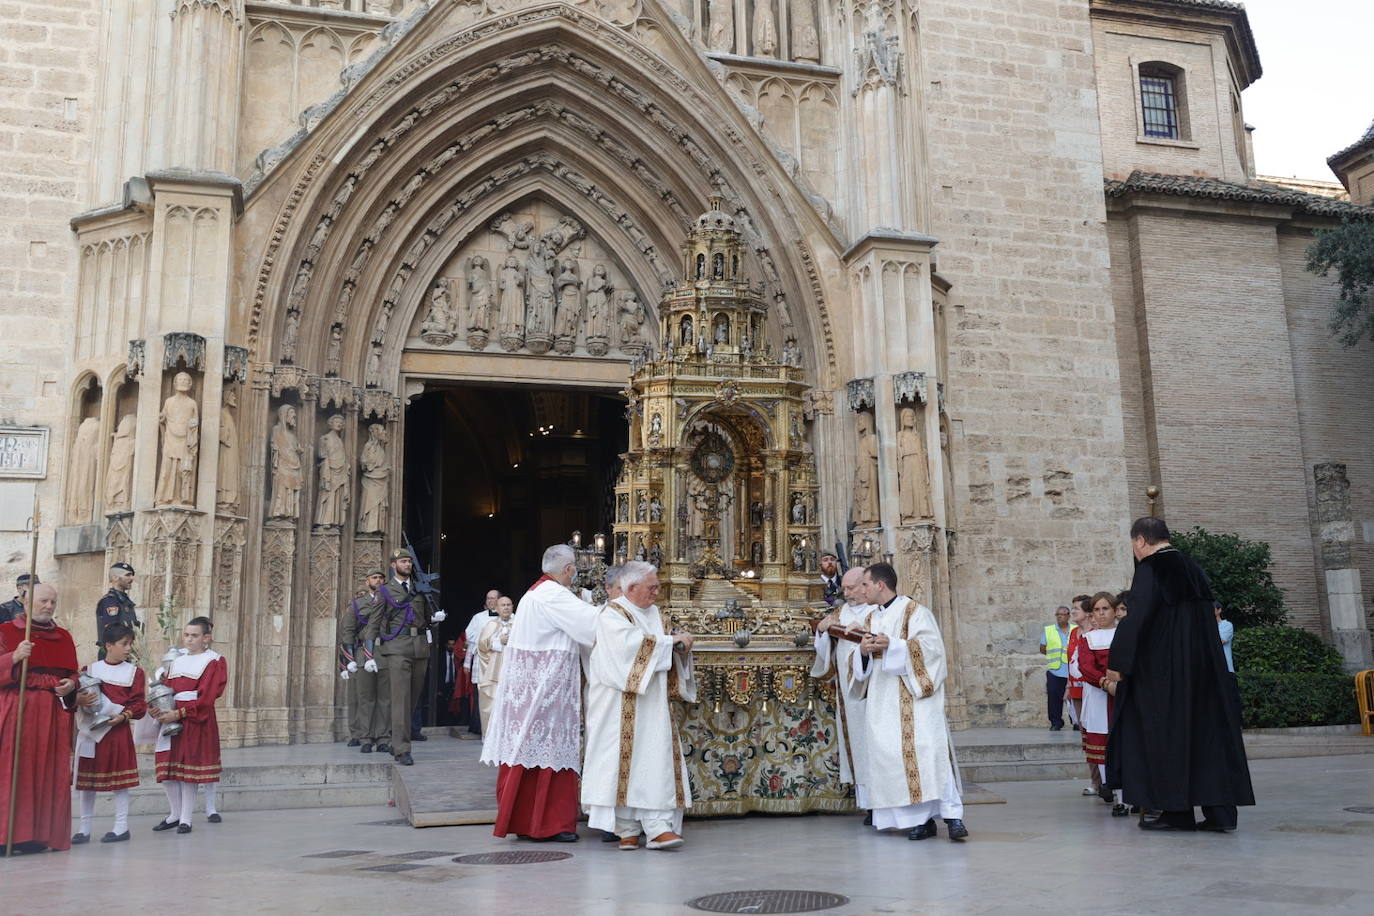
<point>1093,654</point>
<point>191,758</point>
<point>106,761</point>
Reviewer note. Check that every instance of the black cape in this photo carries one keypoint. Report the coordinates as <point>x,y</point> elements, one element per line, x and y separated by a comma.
<point>1175,739</point>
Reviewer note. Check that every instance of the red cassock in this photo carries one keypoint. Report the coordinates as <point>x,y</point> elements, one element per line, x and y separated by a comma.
<point>535,801</point>
<point>462,679</point>
<point>1093,664</point>
<point>194,754</point>
<point>43,806</point>
<point>115,765</point>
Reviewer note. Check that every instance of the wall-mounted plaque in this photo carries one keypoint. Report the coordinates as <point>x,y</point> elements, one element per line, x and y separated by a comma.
<point>24,451</point>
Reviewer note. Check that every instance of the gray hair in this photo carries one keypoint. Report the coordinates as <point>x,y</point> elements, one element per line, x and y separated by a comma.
<point>613,575</point>
<point>633,573</point>
<point>557,557</point>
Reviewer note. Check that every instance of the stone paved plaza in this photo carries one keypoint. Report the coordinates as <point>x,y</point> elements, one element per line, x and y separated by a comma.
<point>1299,848</point>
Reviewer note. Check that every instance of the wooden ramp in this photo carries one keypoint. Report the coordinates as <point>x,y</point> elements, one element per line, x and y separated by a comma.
<point>448,785</point>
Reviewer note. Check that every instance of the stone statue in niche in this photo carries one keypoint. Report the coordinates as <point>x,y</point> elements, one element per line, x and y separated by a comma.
<point>290,333</point>
<point>479,303</point>
<point>798,509</point>
<point>81,481</point>
<point>791,353</point>
<point>539,294</point>
<point>866,472</point>
<point>756,553</point>
<point>511,323</point>
<point>373,375</point>
<point>722,331</point>
<point>631,323</point>
<point>798,556</point>
<point>334,353</point>
<point>913,471</point>
<point>765,29</point>
<point>597,293</point>
<point>655,510</point>
<point>806,40</point>
<point>720,33</point>
<point>439,327</point>
<point>331,505</point>
<point>180,425</point>
<point>622,508</point>
<point>376,474</point>
<point>287,471</point>
<point>656,428</point>
<point>756,514</point>
<point>642,509</point>
<point>655,558</point>
<point>569,314</point>
<point>227,490</point>
<point>119,473</point>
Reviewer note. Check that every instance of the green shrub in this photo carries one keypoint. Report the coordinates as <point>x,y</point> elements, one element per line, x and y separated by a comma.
<point>1283,650</point>
<point>1239,572</point>
<point>1293,700</point>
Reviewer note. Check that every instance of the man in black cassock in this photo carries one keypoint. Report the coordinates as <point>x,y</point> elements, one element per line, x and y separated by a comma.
<point>1175,741</point>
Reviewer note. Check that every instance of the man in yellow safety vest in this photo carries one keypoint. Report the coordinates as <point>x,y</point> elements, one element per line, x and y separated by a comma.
<point>1054,645</point>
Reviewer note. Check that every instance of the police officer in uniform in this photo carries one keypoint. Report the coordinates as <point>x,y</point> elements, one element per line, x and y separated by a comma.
<point>399,624</point>
<point>115,606</point>
<point>15,606</point>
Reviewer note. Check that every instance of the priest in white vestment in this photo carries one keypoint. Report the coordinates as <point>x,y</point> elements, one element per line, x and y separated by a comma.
<point>635,777</point>
<point>911,770</point>
<point>833,661</point>
<point>535,730</point>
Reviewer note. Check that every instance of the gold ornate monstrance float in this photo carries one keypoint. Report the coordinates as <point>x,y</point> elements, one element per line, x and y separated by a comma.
<point>719,491</point>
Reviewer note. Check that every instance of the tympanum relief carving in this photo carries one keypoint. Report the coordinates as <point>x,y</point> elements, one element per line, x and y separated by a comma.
<point>533,280</point>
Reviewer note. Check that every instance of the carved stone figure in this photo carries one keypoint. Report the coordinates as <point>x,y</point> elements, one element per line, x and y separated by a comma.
<point>334,353</point>
<point>756,553</point>
<point>806,41</point>
<point>373,375</point>
<point>180,425</point>
<point>722,329</point>
<point>756,514</point>
<point>287,471</point>
<point>331,506</point>
<point>478,284</point>
<point>81,482</point>
<point>866,473</point>
<point>656,426</point>
<point>631,323</point>
<point>439,328</point>
<point>655,510</point>
<point>622,508</point>
<point>512,314</point>
<point>597,297</point>
<point>720,33</point>
<point>290,333</point>
<point>569,314</point>
<point>765,29</point>
<point>376,474</point>
<point>642,509</point>
<point>119,473</point>
<point>227,490</point>
<point>798,510</point>
<point>913,471</point>
<point>798,556</point>
<point>539,295</point>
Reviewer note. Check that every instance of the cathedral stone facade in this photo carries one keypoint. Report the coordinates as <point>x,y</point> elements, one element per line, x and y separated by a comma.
<point>1021,240</point>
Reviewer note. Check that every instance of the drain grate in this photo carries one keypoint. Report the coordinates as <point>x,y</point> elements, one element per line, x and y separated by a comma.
<point>337,854</point>
<point>511,858</point>
<point>417,854</point>
<point>767,902</point>
<point>1361,809</point>
<point>394,867</point>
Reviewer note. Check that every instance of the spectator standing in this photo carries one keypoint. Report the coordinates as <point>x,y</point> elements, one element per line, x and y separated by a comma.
<point>1227,631</point>
<point>1054,645</point>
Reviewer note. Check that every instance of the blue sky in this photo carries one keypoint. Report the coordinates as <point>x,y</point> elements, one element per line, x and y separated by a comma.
<point>1317,92</point>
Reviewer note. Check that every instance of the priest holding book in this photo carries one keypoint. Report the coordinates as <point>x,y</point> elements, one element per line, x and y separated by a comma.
<point>837,640</point>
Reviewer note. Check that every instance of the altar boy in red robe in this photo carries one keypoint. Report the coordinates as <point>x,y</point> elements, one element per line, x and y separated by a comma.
<point>191,758</point>
<point>43,805</point>
<point>105,758</point>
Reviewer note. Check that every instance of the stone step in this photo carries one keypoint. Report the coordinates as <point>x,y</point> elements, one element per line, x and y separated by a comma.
<point>150,799</point>
<point>1023,771</point>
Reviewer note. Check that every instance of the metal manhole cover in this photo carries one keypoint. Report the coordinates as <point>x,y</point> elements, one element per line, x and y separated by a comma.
<point>767,902</point>
<point>337,854</point>
<point>1361,809</point>
<point>511,858</point>
<point>395,867</point>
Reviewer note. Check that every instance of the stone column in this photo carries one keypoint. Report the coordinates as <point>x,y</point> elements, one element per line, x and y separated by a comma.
<point>207,39</point>
<point>1344,597</point>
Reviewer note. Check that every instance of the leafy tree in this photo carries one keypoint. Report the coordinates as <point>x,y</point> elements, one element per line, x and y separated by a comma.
<point>1349,249</point>
<point>1239,570</point>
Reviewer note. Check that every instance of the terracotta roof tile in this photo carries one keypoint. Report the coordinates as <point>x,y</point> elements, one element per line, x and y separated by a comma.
<point>1252,192</point>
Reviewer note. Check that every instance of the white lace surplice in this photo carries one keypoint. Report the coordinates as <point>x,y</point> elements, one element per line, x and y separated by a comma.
<point>536,719</point>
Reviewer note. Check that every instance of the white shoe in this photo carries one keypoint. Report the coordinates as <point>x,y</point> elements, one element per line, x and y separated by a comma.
<point>667,840</point>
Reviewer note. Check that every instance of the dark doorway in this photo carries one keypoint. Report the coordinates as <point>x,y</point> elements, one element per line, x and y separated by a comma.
<point>492,477</point>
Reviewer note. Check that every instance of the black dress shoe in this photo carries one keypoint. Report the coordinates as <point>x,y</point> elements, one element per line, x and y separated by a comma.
<point>868,819</point>
<point>565,837</point>
<point>1159,823</point>
<point>354,742</point>
<point>1056,728</point>
<point>366,748</point>
<point>163,825</point>
<point>419,737</point>
<point>79,838</point>
<point>1121,811</point>
<point>113,837</point>
<point>384,749</point>
<point>923,832</point>
<point>214,818</point>
<point>955,828</point>
<point>183,828</point>
<point>1209,826</point>
<point>608,837</point>
<point>405,760</point>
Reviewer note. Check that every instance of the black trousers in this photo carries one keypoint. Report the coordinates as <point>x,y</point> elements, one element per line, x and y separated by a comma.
<point>1054,691</point>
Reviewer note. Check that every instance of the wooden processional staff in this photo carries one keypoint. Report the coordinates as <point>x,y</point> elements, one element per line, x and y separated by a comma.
<point>23,680</point>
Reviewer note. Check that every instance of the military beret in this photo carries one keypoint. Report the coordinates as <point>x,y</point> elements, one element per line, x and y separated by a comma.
<point>122,566</point>
<point>400,553</point>
<point>25,578</point>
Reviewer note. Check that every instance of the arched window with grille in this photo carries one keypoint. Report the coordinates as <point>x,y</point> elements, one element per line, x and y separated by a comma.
<point>1163,102</point>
